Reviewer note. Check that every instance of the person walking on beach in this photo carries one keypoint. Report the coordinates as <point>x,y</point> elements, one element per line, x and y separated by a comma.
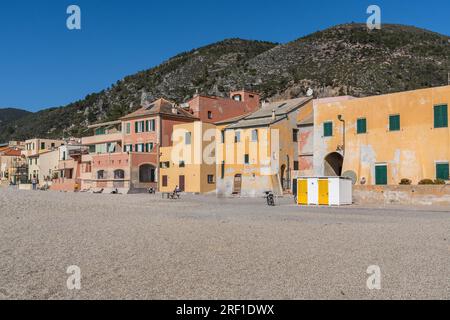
<point>34,182</point>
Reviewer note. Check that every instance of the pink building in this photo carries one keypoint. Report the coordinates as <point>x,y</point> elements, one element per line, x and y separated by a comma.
<point>124,154</point>
<point>216,109</point>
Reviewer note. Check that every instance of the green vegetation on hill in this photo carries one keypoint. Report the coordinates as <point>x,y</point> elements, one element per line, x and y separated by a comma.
<point>346,59</point>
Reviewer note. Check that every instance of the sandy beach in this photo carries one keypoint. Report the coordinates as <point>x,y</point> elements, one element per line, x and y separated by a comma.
<point>201,247</point>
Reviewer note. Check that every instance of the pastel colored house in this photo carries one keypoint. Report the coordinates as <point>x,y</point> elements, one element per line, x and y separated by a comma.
<point>124,154</point>
<point>13,166</point>
<point>259,152</point>
<point>190,163</point>
<point>215,109</point>
<point>381,140</point>
<point>67,177</point>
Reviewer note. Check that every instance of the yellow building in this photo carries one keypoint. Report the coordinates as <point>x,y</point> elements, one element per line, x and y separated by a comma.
<point>384,139</point>
<point>259,152</point>
<point>190,162</point>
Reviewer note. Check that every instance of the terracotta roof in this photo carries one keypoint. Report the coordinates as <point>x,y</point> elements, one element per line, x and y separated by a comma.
<point>160,107</point>
<point>10,152</point>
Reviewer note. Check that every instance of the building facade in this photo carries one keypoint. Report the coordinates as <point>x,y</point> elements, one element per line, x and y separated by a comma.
<point>381,140</point>
<point>190,163</point>
<point>215,109</point>
<point>259,152</point>
<point>124,154</point>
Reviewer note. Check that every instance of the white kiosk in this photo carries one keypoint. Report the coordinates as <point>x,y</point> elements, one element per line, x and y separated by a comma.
<point>324,191</point>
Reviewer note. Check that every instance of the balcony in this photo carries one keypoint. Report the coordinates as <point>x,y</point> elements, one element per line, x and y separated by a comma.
<point>103,138</point>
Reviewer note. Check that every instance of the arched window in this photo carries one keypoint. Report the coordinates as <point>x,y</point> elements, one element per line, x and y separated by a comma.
<point>101,174</point>
<point>147,173</point>
<point>119,174</point>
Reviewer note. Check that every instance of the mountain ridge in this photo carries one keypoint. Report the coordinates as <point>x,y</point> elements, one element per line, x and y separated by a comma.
<point>345,59</point>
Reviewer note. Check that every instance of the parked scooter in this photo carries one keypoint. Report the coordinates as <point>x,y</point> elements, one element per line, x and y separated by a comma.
<point>270,198</point>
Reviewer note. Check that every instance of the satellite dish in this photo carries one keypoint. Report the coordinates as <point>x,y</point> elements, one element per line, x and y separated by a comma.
<point>310,92</point>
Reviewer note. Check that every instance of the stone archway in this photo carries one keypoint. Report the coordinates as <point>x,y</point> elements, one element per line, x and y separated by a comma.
<point>333,165</point>
<point>147,173</point>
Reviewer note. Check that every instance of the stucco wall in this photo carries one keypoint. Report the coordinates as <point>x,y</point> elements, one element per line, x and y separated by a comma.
<point>412,195</point>
<point>409,153</point>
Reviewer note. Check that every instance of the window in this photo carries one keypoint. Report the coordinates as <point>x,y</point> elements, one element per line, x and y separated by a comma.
<point>52,145</point>
<point>139,147</point>
<point>182,164</point>
<point>210,179</point>
<point>92,148</point>
<point>381,174</point>
<point>246,159</point>
<point>165,165</point>
<point>394,123</point>
<point>165,181</point>
<point>222,136</point>
<point>255,135</point>
<point>111,147</point>
<point>237,97</point>
<point>361,126</point>
<point>128,128</point>
<point>139,126</point>
<point>441,116</point>
<point>101,174</point>
<point>328,129</point>
<point>442,171</point>
<point>237,137</point>
<point>149,147</point>
<point>210,116</point>
<point>100,131</point>
<point>87,167</point>
<point>295,135</point>
<point>151,125</point>
<point>119,174</point>
<point>296,165</point>
<point>187,138</point>
<point>42,145</point>
<point>128,148</point>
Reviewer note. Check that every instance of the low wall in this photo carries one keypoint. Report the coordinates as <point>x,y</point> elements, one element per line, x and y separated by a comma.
<point>413,195</point>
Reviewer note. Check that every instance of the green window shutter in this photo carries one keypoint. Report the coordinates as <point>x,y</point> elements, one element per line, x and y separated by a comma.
<point>153,125</point>
<point>328,129</point>
<point>146,147</point>
<point>441,116</point>
<point>136,126</point>
<point>381,175</point>
<point>361,126</point>
<point>394,123</point>
<point>147,126</point>
<point>442,171</point>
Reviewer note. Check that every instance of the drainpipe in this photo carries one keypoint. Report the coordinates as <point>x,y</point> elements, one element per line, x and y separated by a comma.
<point>340,118</point>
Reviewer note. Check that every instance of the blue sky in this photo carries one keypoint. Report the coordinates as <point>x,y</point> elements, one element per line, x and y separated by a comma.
<point>43,64</point>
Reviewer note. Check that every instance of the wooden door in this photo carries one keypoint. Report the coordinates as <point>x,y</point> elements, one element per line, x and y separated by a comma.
<point>182,183</point>
<point>237,184</point>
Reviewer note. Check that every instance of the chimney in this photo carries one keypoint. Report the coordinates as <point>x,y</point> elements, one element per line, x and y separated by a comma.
<point>273,114</point>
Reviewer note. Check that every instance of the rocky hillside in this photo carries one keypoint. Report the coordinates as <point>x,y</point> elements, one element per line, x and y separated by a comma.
<point>346,59</point>
<point>8,115</point>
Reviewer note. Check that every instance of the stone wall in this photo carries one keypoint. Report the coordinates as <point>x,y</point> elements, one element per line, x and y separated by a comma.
<point>411,195</point>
